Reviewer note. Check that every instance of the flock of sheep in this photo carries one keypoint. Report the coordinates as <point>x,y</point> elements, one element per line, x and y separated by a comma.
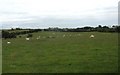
<point>91,36</point>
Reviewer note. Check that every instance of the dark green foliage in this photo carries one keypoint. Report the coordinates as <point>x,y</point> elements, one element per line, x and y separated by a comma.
<point>9,34</point>
<point>6,35</point>
<point>86,29</point>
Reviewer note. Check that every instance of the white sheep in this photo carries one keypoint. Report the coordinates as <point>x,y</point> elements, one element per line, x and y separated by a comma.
<point>63,35</point>
<point>92,36</point>
<point>8,42</point>
<point>27,38</point>
<point>37,38</point>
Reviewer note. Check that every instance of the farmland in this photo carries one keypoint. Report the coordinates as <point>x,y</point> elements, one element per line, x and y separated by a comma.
<point>70,54</point>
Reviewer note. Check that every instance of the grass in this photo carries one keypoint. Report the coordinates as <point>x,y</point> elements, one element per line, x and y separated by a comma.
<point>75,54</point>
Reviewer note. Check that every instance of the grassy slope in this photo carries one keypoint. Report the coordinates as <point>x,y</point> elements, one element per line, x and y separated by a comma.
<point>60,55</point>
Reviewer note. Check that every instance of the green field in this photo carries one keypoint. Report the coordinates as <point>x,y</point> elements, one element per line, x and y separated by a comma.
<point>70,54</point>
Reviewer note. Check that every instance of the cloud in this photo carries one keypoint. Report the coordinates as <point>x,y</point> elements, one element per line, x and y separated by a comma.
<point>62,13</point>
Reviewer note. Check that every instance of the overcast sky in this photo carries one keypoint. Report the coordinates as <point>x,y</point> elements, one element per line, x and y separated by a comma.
<point>57,13</point>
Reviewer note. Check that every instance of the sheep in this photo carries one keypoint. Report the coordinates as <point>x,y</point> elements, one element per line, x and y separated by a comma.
<point>8,42</point>
<point>92,36</point>
<point>37,38</point>
<point>27,38</point>
<point>63,35</point>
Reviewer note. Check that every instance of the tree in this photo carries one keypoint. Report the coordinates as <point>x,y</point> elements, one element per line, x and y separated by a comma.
<point>99,26</point>
<point>6,35</point>
<point>12,29</point>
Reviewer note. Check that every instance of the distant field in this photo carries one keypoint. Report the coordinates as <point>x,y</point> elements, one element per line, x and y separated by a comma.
<point>74,53</point>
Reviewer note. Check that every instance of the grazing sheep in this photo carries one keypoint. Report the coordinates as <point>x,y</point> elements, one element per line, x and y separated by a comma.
<point>37,38</point>
<point>63,35</point>
<point>27,38</point>
<point>92,36</point>
<point>8,42</point>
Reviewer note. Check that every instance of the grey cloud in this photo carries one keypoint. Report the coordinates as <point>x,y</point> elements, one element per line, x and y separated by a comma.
<point>54,21</point>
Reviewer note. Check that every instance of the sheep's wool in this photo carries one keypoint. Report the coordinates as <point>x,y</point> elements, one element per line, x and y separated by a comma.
<point>8,42</point>
<point>27,38</point>
<point>91,36</point>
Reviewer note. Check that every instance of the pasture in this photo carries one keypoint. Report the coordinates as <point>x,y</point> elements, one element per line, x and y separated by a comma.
<point>73,53</point>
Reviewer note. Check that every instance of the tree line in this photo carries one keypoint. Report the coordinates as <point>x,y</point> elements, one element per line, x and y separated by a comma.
<point>87,29</point>
<point>12,33</point>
